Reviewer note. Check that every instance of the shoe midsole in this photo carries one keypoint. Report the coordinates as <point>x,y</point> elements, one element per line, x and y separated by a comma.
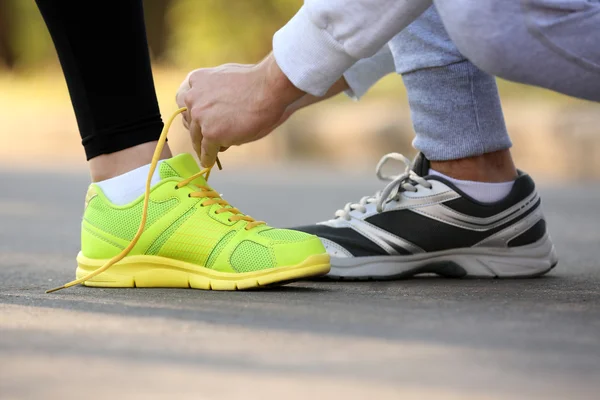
<point>533,258</point>
<point>131,265</point>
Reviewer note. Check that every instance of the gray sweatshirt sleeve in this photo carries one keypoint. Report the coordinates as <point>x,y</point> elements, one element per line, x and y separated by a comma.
<point>326,37</point>
<point>366,72</point>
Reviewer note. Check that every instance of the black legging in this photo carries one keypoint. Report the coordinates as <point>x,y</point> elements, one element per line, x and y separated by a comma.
<point>104,55</point>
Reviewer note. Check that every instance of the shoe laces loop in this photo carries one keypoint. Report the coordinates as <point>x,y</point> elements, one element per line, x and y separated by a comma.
<point>408,180</point>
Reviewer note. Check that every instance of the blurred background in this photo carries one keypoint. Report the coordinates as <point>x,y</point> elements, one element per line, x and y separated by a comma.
<point>555,137</point>
<point>417,339</point>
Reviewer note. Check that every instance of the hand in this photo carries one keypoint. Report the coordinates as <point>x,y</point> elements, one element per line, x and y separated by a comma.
<point>234,104</point>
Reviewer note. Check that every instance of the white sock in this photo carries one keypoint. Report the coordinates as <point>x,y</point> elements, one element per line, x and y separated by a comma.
<point>481,191</point>
<point>125,188</point>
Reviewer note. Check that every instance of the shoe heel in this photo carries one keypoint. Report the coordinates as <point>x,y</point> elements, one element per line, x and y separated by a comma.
<point>526,261</point>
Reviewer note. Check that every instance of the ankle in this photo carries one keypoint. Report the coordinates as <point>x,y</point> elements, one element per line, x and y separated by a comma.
<point>490,167</point>
<point>108,166</point>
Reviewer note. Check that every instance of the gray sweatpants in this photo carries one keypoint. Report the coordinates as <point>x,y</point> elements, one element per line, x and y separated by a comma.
<point>454,105</point>
<point>455,108</point>
<point>553,44</point>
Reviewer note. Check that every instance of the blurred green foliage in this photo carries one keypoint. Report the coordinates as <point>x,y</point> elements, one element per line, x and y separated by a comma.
<point>185,34</point>
<point>211,32</point>
<point>181,33</point>
<point>24,40</point>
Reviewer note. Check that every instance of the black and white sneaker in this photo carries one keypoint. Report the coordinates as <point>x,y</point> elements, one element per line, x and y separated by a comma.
<point>424,224</point>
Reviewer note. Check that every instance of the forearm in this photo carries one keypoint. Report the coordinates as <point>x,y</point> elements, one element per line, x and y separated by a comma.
<point>326,37</point>
<point>356,81</point>
<point>338,87</point>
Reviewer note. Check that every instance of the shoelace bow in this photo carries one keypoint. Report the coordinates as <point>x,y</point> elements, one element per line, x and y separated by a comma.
<point>398,183</point>
<point>203,192</point>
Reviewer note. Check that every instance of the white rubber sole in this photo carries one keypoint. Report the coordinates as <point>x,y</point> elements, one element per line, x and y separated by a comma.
<point>477,262</point>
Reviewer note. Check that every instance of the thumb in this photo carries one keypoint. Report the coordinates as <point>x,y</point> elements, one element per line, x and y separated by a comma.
<point>210,151</point>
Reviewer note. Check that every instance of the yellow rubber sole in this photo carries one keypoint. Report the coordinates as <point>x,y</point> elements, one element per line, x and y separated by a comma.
<point>161,272</point>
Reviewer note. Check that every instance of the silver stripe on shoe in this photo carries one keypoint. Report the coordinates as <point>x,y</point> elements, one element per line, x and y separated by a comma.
<point>383,238</point>
<point>501,239</point>
<point>449,216</point>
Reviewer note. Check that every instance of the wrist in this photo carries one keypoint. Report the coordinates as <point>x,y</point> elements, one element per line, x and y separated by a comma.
<point>277,85</point>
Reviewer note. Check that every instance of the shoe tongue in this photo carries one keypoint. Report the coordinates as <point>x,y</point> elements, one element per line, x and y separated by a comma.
<point>421,165</point>
<point>183,166</point>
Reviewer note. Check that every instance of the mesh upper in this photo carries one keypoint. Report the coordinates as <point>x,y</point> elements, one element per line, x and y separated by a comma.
<point>124,222</point>
<point>195,239</point>
<point>190,234</point>
<point>160,241</point>
<point>286,235</point>
<point>166,171</point>
<point>218,248</point>
<point>249,256</point>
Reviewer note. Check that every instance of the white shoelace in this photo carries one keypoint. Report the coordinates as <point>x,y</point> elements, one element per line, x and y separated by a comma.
<point>403,182</point>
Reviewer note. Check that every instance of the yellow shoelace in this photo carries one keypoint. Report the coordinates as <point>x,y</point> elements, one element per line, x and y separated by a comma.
<point>205,192</point>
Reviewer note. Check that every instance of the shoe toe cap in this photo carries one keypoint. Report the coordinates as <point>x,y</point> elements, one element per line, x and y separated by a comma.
<point>295,252</point>
<point>334,249</point>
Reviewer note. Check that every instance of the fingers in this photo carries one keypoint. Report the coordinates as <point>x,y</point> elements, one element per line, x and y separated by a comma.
<point>210,151</point>
<point>206,150</point>
<point>196,134</point>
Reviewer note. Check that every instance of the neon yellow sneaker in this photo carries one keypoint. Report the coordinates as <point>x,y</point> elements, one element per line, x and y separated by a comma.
<point>188,236</point>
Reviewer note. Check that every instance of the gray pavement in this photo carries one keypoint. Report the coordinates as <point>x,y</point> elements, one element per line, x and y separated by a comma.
<point>421,338</point>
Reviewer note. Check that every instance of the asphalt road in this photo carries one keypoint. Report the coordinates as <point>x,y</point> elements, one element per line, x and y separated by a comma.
<point>421,338</point>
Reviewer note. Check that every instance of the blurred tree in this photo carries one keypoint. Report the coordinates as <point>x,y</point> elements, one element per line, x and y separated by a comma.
<point>25,43</point>
<point>7,54</point>
<point>211,32</point>
<point>157,30</point>
<point>187,33</point>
